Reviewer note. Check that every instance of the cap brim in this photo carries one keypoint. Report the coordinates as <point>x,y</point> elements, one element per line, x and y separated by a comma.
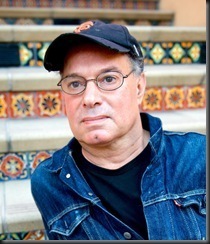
<point>57,50</point>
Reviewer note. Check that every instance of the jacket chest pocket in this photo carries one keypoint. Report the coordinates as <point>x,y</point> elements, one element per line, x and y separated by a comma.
<point>191,216</point>
<point>180,218</point>
<point>65,225</point>
<point>79,224</point>
<point>198,203</point>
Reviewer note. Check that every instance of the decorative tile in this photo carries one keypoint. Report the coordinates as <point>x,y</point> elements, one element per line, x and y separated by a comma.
<point>25,21</point>
<point>3,106</point>
<point>173,52</point>
<point>44,4</point>
<point>22,104</point>
<point>26,54</point>
<point>177,52</point>
<point>133,4</point>
<point>152,99</point>
<point>157,53</point>
<point>3,237</point>
<point>194,52</point>
<point>196,97</point>
<point>37,235</point>
<point>35,158</point>
<point>13,166</point>
<point>49,103</point>
<point>41,49</point>
<point>18,166</point>
<point>32,54</point>
<point>174,98</point>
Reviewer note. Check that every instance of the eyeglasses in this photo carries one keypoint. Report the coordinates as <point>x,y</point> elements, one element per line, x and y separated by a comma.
<point>107,81</point>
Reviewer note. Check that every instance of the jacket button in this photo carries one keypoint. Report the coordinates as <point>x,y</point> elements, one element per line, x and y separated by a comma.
<point>127,235</point>
<point>68,176</point>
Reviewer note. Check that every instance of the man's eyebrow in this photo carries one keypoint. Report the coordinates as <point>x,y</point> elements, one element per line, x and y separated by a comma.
<point>103,70</point>
<point>108,69</point>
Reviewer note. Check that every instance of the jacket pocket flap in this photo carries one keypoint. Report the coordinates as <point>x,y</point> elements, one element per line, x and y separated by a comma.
<point>68,220</point>
<point>198,201</point>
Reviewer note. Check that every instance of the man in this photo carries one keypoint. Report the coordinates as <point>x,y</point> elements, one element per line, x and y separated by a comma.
<point>121,177</point>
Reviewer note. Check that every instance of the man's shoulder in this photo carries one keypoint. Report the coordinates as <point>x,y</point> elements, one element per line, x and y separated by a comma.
<point>188,138</point>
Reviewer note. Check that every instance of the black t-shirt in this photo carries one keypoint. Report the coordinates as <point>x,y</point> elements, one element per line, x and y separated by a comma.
<point>119,189</point>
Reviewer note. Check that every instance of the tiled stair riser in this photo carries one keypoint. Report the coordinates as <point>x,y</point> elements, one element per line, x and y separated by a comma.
<point>38,235</point>
<point>131,4</point>
<point>32,53</point>
<point>50,103</point>
<point>20,165</point>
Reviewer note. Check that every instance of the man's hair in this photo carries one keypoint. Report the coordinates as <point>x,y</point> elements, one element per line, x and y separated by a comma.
<point>137,63</point>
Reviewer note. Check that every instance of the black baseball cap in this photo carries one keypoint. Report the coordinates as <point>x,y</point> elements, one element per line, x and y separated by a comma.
<point>113,36</point>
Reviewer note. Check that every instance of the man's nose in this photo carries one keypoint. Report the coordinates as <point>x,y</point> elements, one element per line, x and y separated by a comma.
<point>92,94</point>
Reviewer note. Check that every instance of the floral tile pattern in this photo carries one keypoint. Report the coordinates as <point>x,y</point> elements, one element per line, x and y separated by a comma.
<point>131,4</point>
<point>196,97</point>
<point>174,98</point>
<point>3,106</point>
<point>35,158</point>
<point>13,166</point>
<point>152,99</point>
<point>19,166</point>
<point>41,49</point>
<point>22,104</point>
<point>31,54</point>
<point>31,104</point>
<point>26,54</point>
<point>173,52</point>
<point>34,235</point>
<point>49,103</point>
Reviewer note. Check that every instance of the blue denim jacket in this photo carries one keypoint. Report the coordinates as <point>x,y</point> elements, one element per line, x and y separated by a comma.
<point>173,192</point>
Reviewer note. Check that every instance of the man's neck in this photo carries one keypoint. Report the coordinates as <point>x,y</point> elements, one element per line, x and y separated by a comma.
<point>117,154</point>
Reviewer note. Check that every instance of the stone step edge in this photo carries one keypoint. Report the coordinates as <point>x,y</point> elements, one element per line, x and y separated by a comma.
<point>19,135</point>
<point>45,33</point>
<point>38,79</point>
<point>19,212</point>
<point>87,13</point>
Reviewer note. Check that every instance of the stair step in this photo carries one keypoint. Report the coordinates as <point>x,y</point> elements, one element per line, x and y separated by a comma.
<point>19,214</point>
<point>45,33</point>
<point>134,15</point>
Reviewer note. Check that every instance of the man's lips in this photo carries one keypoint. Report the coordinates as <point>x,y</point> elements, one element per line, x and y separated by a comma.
<point>94,118</point>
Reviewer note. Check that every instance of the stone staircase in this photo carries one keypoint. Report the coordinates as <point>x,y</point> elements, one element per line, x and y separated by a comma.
<point>32,117</point>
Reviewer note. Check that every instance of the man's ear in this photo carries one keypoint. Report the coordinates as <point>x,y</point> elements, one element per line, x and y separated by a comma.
<point>141,86</point>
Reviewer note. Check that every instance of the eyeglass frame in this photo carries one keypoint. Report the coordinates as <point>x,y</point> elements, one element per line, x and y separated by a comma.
<point>96,82</point>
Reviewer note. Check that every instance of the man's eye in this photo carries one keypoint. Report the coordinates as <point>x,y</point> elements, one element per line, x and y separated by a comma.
<point>109,79</point>
<point>74,84</point>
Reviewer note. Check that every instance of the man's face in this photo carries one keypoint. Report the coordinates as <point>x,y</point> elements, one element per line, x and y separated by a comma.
<point>98,117</point>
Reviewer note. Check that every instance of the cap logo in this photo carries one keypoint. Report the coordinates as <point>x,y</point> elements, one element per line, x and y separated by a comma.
<point>84,26</point>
